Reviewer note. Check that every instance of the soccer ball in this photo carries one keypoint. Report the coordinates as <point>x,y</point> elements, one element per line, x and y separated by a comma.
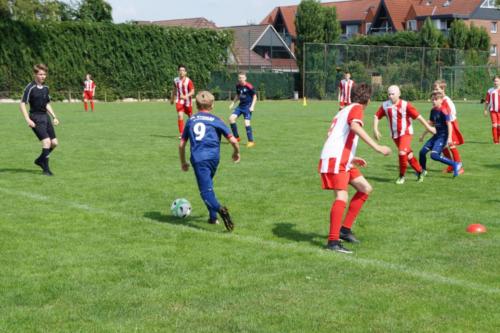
<point>180,208</point>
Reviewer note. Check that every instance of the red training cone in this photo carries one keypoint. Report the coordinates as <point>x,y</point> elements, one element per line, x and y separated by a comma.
<point>476,228</point>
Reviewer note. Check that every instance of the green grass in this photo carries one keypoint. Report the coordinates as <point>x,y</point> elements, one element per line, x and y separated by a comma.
<point>94,249</point>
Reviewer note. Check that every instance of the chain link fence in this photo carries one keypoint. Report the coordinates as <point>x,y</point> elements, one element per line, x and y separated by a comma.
<point>469,82</point>
<point>413,69</point>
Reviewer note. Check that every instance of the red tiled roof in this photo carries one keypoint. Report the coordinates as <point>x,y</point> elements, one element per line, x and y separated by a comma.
<point>398,10</point>
<point>197,22</point>
<point>438,7</point>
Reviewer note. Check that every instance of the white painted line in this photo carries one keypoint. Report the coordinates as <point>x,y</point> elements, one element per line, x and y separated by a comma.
<point>296,247</point>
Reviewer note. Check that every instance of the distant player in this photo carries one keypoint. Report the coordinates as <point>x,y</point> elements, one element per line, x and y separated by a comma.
<point>204,131</point>
<point>182,95</point>
<point>36,94</point>
<point>492,105</point>
<point>451,150</point>
<point>345,89</point>
<point>400,114</point>
<point>441,120</point>
<point>337,167</point>
<point>247,96</point>
<point>88,93</point>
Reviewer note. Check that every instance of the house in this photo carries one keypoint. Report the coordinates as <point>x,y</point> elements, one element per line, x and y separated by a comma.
<point>197,23</point>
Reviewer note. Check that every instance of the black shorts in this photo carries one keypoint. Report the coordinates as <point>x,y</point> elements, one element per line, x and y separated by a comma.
<point>43,128</point>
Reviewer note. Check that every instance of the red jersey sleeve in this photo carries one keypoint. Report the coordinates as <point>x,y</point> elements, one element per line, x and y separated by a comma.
<point>355,115</point>
<point>380,113</point>
<point>412,111</point>
<point>487,97</point>
<point>190,85</point>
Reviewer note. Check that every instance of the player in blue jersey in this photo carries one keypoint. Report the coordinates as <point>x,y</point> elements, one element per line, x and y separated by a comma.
<point>440,119</point>
<point>204,131</point>
<point>247,96</point>
<point>36,94</point>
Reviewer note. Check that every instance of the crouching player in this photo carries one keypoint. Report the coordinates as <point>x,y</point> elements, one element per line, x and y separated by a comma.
<point>337,169</point>
<point>441,120</point>
<point>399,114</point>
<point>204,130</point>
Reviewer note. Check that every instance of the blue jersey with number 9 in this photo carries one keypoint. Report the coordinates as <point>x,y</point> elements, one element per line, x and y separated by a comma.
<point>204,131</point>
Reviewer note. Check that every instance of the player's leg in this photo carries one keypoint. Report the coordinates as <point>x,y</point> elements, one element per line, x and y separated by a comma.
<point>436,151</point>
<point>402,159</point>
<point>180,118</point>
<point>495,126</point>
<point>423,154</point>
<point>248,127</point>
<point>92,102</point>
<point>405,147</point>
<point>363,190</point>
<point>85,101</point>
<point>204,172</point>
<point>232,122</point>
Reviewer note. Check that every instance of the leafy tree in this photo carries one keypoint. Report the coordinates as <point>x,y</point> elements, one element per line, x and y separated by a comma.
<point>485,40</point>
<point>473,38</point>
<point>331,25</point>
<point>36,10</point>
<point>457,38</point>
<point>309,14</point>
<point>430,36</point>
<point>95,11</point>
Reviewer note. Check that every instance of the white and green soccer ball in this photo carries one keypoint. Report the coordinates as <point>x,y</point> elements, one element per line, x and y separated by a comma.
<point>181,208</point>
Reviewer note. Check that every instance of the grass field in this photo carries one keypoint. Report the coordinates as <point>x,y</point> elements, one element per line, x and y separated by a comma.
<point>94,248</point>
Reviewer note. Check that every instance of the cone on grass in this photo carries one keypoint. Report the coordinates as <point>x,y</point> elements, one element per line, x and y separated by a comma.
<point>476,228</point>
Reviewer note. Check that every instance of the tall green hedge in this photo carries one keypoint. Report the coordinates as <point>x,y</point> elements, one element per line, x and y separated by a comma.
<point>124,58</point>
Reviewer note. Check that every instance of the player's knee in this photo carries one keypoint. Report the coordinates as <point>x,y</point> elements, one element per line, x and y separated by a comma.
<point>410,155</point>
<point>232,119</point>
<point>247,123</point>
<point>367,189</point>
<point>435,156</point>
<point>54,144</point>
<point>402,153</point>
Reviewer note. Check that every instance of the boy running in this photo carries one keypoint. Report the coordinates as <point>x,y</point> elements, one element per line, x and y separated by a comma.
<point>337,167</point>
<point>441,120</point>
<point>182,95</point>
<point>400,114</point>
<point>36,94</point>
<point>491,105</point>
<point>247,96</point>
<point>204,131</point>
<point>345,89</point>
<point>88,93</point>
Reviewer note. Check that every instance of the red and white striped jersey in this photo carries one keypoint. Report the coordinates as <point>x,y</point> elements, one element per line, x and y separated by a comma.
<point>88,85</point>
<point>340,146</point>
<point>345,87</point>
<point>450,107</point>
<point>399,116</point>
<point>493,100</point>
<point>183,87</point>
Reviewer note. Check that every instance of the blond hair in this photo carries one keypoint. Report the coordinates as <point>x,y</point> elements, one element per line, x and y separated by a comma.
<point>204,100</point>
<point>40,67</point>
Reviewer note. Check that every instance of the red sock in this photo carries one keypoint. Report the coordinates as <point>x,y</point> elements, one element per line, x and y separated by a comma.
<point>494,130</point>
<point>357,202</point>
<point>336,213</point>
<point>498,133</point>
<point>403,164</point>
<point>446,153</point>
<point>180,123</point>
<point>85,106</point>
<point>456,154</point>
<point>415,165</point>
<point>92,105</point>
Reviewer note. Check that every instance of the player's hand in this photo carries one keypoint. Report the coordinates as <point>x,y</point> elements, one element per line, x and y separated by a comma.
<point>55,121</point>
<point>251,109</point>
<point>31,123</point>
<point>433,130</point>
<point>485,113</point>
<point>358,161</point>
<point>236,157</point>
<point>185,166</point>
<point>377,135</point>
<point>450,142</point>
<point>384,150</point>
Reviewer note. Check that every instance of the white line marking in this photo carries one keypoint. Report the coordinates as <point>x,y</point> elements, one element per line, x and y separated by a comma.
<point>297,247</point>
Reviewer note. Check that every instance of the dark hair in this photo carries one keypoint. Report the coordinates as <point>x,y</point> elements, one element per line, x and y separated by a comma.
<point>361,93</point>
<point>39,67</point>
<point>496,77</point>
<point>181,66</point>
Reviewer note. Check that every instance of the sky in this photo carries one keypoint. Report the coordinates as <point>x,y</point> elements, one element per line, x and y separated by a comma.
<point>222,12</point>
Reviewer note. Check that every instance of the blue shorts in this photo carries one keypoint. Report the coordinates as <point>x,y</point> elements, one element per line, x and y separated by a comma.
<point>243,111</point>
<point>436,143</point>
<point>205,172</point>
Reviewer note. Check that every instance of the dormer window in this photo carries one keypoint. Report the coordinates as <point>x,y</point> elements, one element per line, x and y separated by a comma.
<point>489,4</point>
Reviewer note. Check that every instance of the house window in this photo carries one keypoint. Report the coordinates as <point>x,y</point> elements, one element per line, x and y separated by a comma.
<point>368,27</point>
<point>411,25</point>
<point>489,4</point>
<point>351,30</point>
<point>493,50</point>
<point>493,27</point>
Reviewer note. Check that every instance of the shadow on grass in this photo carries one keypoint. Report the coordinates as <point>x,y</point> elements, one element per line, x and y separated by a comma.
<point>14,170</point>
<point>480,142</point>
<point>165,136</point>
<point>492,166</point>
<point>286,230</point>
<point>191,221</point>
<point>380,179</point>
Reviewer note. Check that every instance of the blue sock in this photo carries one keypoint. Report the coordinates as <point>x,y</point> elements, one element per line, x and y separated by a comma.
<point>437,157</point>
<point>423,158</point>
<point>249,133</point>
<point>211,202</point>
<point>234,129</point>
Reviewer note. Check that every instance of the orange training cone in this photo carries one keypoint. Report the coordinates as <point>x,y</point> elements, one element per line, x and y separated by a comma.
<point>476,228</point>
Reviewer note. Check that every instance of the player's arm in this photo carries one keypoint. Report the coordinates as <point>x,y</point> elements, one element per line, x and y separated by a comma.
<point>236,149</point>
<point>358,129</point>
<point>338,97</point>
<point>231,106</point>
<point>52,114</point>
<point>429,128</point>
<point>486,105</point>
<point>182,155</point>
<point>191,90</point>
<point>450,132</point>
<point>431,123</point>
<point>254,100</point>
<point>172,95</point>
<point>376,132</point>
<point>24,111</point>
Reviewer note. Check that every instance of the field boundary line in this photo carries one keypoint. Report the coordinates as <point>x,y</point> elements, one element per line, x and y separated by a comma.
<point>297,247</point>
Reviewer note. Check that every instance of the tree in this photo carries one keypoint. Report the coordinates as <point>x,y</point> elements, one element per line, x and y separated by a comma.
<point>457,38</point>
<point>36,10</point>
<point>95,11</point>
<point>473,38</point>
<point>331,25</point>
<point>485,40</point>
<point>430,36</point>
<point>309,26</point>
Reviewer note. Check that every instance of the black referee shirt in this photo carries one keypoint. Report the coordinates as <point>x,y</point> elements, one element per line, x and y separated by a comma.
<point>37,97</point>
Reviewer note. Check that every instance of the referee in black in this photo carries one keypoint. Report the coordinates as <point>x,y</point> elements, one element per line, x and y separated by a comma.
<point>37,95</point>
